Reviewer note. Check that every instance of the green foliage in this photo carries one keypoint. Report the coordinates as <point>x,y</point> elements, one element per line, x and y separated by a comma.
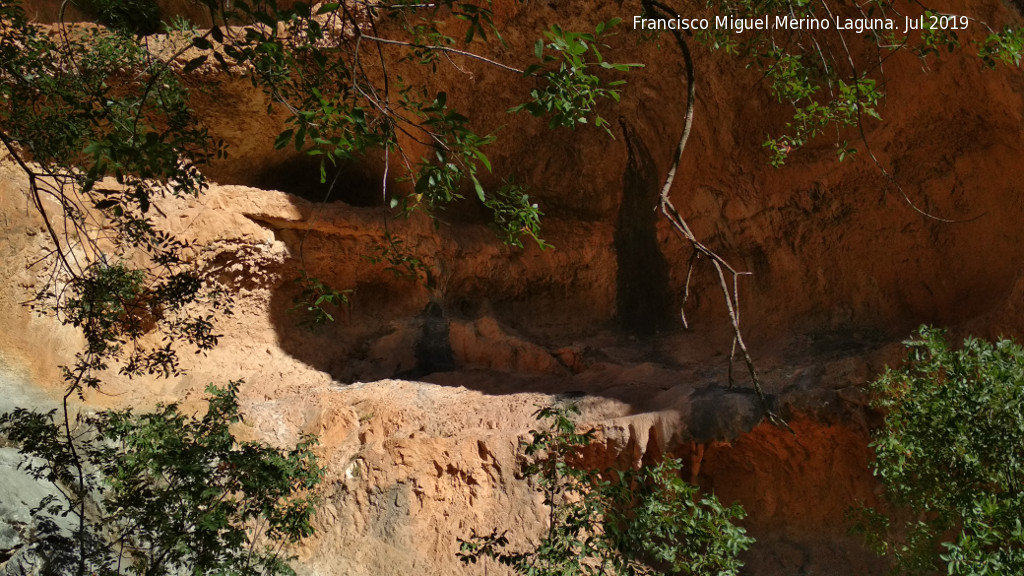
<point>399,260</point>
<point>103,128</point>
<point>834,82</point>
<point>951,455</point>
<point>853,102</point>
<point>315,300</point>
<point>425,23</point>
<point>103,304</point>
<point>457,155</point>
<point>100,104</point>
<point>109,131</point>
<point>572,90</point>
<point>308,62</point>
<point>165,493</point>
<point>643,521</point>
<point>113,306</point>
<point>515,216</point>
<point>1003,47</point>
<point>132,16</point>
<point>311,63</point>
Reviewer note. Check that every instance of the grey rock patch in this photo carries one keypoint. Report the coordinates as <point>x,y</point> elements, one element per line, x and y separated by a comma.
<point>723,414</point>
<point>19,491</point>
<point>19,494</point>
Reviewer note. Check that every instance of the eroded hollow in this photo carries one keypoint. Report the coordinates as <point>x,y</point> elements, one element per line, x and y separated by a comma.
<point>643,299</point>
<point>355,182</point>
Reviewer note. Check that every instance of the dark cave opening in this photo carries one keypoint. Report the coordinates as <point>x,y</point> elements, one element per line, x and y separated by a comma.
<point>355,182</point>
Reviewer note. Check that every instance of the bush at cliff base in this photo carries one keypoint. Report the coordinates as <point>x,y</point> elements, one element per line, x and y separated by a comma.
<point>951,456</point>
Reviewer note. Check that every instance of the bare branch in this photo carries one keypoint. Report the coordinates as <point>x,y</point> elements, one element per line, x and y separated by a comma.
<point>446,50</point>
<point>722,267</point>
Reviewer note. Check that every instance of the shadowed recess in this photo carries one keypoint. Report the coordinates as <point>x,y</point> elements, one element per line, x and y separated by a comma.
<point>355,183</point>
<point>643,301</point>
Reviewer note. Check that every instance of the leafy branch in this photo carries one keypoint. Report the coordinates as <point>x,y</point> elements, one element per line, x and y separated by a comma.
<point>166,492</point>
<point>572,91</point>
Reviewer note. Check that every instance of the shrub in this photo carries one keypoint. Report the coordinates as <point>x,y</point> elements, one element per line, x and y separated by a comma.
<point>951,456</point>
<point>642,521</point>
<point>165,493</point>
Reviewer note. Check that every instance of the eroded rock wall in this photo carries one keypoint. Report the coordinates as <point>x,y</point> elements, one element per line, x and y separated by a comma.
<point>842,268</point>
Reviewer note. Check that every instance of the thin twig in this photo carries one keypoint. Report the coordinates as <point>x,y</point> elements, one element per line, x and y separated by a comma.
<point>679,223</point>
<point>444,49</point>
<point>864,139</point>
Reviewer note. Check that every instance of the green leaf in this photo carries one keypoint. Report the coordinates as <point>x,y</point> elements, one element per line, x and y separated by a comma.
<point>483,159</point>
<point>479,189</point>
<point>328,7</point>
<point>283,139</point>
<point>194,64</point>
<point>265,18</point>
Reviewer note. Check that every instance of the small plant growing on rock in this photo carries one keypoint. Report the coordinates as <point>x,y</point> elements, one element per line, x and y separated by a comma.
<point>951,456</point>
<point>315,300</point>
<point>637,521</point>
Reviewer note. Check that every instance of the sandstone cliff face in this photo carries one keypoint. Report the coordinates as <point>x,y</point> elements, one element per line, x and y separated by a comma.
<point>421,395</point>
